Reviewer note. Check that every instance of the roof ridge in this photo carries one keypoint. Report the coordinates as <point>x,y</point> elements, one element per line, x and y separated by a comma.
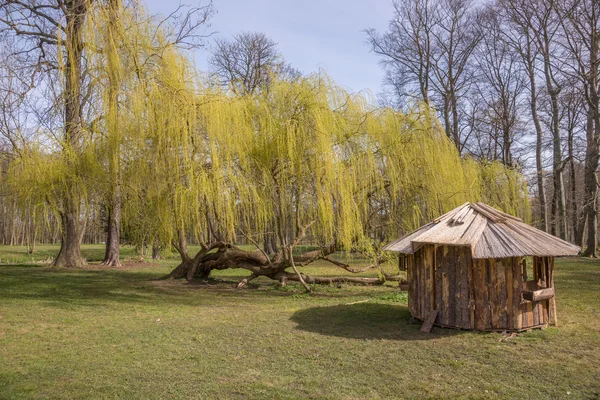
<point>451,212</point>
<point>494,217</point>
<point>460,216</point>
<point>499,212</point>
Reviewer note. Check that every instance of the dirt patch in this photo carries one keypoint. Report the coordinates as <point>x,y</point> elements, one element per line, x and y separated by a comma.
<point>125,265</point>
<point>220,284</point>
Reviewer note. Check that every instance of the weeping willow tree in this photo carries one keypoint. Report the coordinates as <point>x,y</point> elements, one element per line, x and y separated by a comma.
<point>305,161</point>
<point>61,170</point>
<point>111,22</point>
<point>131,46</point>
<point>97,54</point>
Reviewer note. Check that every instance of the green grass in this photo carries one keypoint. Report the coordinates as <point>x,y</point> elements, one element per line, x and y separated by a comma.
<point>46,253</point>
<point>122,334</point>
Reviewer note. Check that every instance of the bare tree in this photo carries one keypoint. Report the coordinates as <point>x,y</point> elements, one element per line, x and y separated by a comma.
<point>581,22</point>
<point>573,105</point>
<point>521,38</point>
<point>498,92</point>
<point>455,39</point>
<point>247,62</point>
<point>427,52</point>
<point>545,25</point>
<point>406,48</point>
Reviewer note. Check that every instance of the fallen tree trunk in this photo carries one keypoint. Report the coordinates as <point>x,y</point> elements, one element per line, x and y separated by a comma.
<point>219,256</point>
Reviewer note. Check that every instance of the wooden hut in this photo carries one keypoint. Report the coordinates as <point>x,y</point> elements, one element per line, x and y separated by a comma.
<point>479,268</point>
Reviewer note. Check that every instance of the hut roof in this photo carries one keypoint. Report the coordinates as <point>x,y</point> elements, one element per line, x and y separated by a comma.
<point>490,233</point>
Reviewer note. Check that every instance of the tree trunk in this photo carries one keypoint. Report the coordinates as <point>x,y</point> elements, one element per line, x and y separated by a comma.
<point>539,138</point>
<point>447,119</point>
<point>558,201</point>
<point>156,252</point>
<point>182,247</point>
<point>455,127</point>
<point>506,148</point>
<point>73,227</point>
<point>577,223</point>
<point>69,254</point>
<point>228,256</point>
<point>558,206</point>
<point>113,240</point>
<point>592,156</point>
<point>270,243</point>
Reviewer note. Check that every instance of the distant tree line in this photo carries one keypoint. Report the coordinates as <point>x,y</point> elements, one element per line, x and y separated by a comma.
<point>511,80</point>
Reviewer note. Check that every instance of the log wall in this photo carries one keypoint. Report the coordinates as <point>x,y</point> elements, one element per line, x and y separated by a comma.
<point>482,294</point>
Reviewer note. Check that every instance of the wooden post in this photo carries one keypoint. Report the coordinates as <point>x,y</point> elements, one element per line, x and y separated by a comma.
<point>552,311</point>
<point>508,269</point>
<point>428,324</point>
<point>410,277</point>
<point>517,289</point>
<point>433,278</point>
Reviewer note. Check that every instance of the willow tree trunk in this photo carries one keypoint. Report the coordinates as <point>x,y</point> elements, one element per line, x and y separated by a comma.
<point>73,229</point>
<point>259,264</point>
<point>270,241</point>
<point>156,252</point>
<point>113,242</point>
<point>73,226</point>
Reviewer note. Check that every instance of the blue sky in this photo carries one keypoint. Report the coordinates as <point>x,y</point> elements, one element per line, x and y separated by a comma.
<point>310,34</point>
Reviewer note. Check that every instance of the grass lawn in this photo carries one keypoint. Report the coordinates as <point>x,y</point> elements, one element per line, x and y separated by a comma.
<point>120,333</point>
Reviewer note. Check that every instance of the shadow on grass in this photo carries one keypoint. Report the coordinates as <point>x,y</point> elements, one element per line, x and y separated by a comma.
<point>365,321</point>
<point>72,288</point>
<point>75,288</point>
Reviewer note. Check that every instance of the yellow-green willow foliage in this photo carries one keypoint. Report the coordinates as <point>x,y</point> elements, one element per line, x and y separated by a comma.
<point>123,51</point>
<point>60,171</point>
<point>302,156</point>
<point>43,178</point>
<point>53,171</point>
<point>503,188</point>
<point>137,70</point>
<point>162,161</point>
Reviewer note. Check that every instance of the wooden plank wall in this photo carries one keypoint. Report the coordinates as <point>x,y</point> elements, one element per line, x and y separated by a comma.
<point>452,278</point>
<point>497,288</point>
<point>516,320</point>
<point>482,294</point>
<point>421,289</point>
